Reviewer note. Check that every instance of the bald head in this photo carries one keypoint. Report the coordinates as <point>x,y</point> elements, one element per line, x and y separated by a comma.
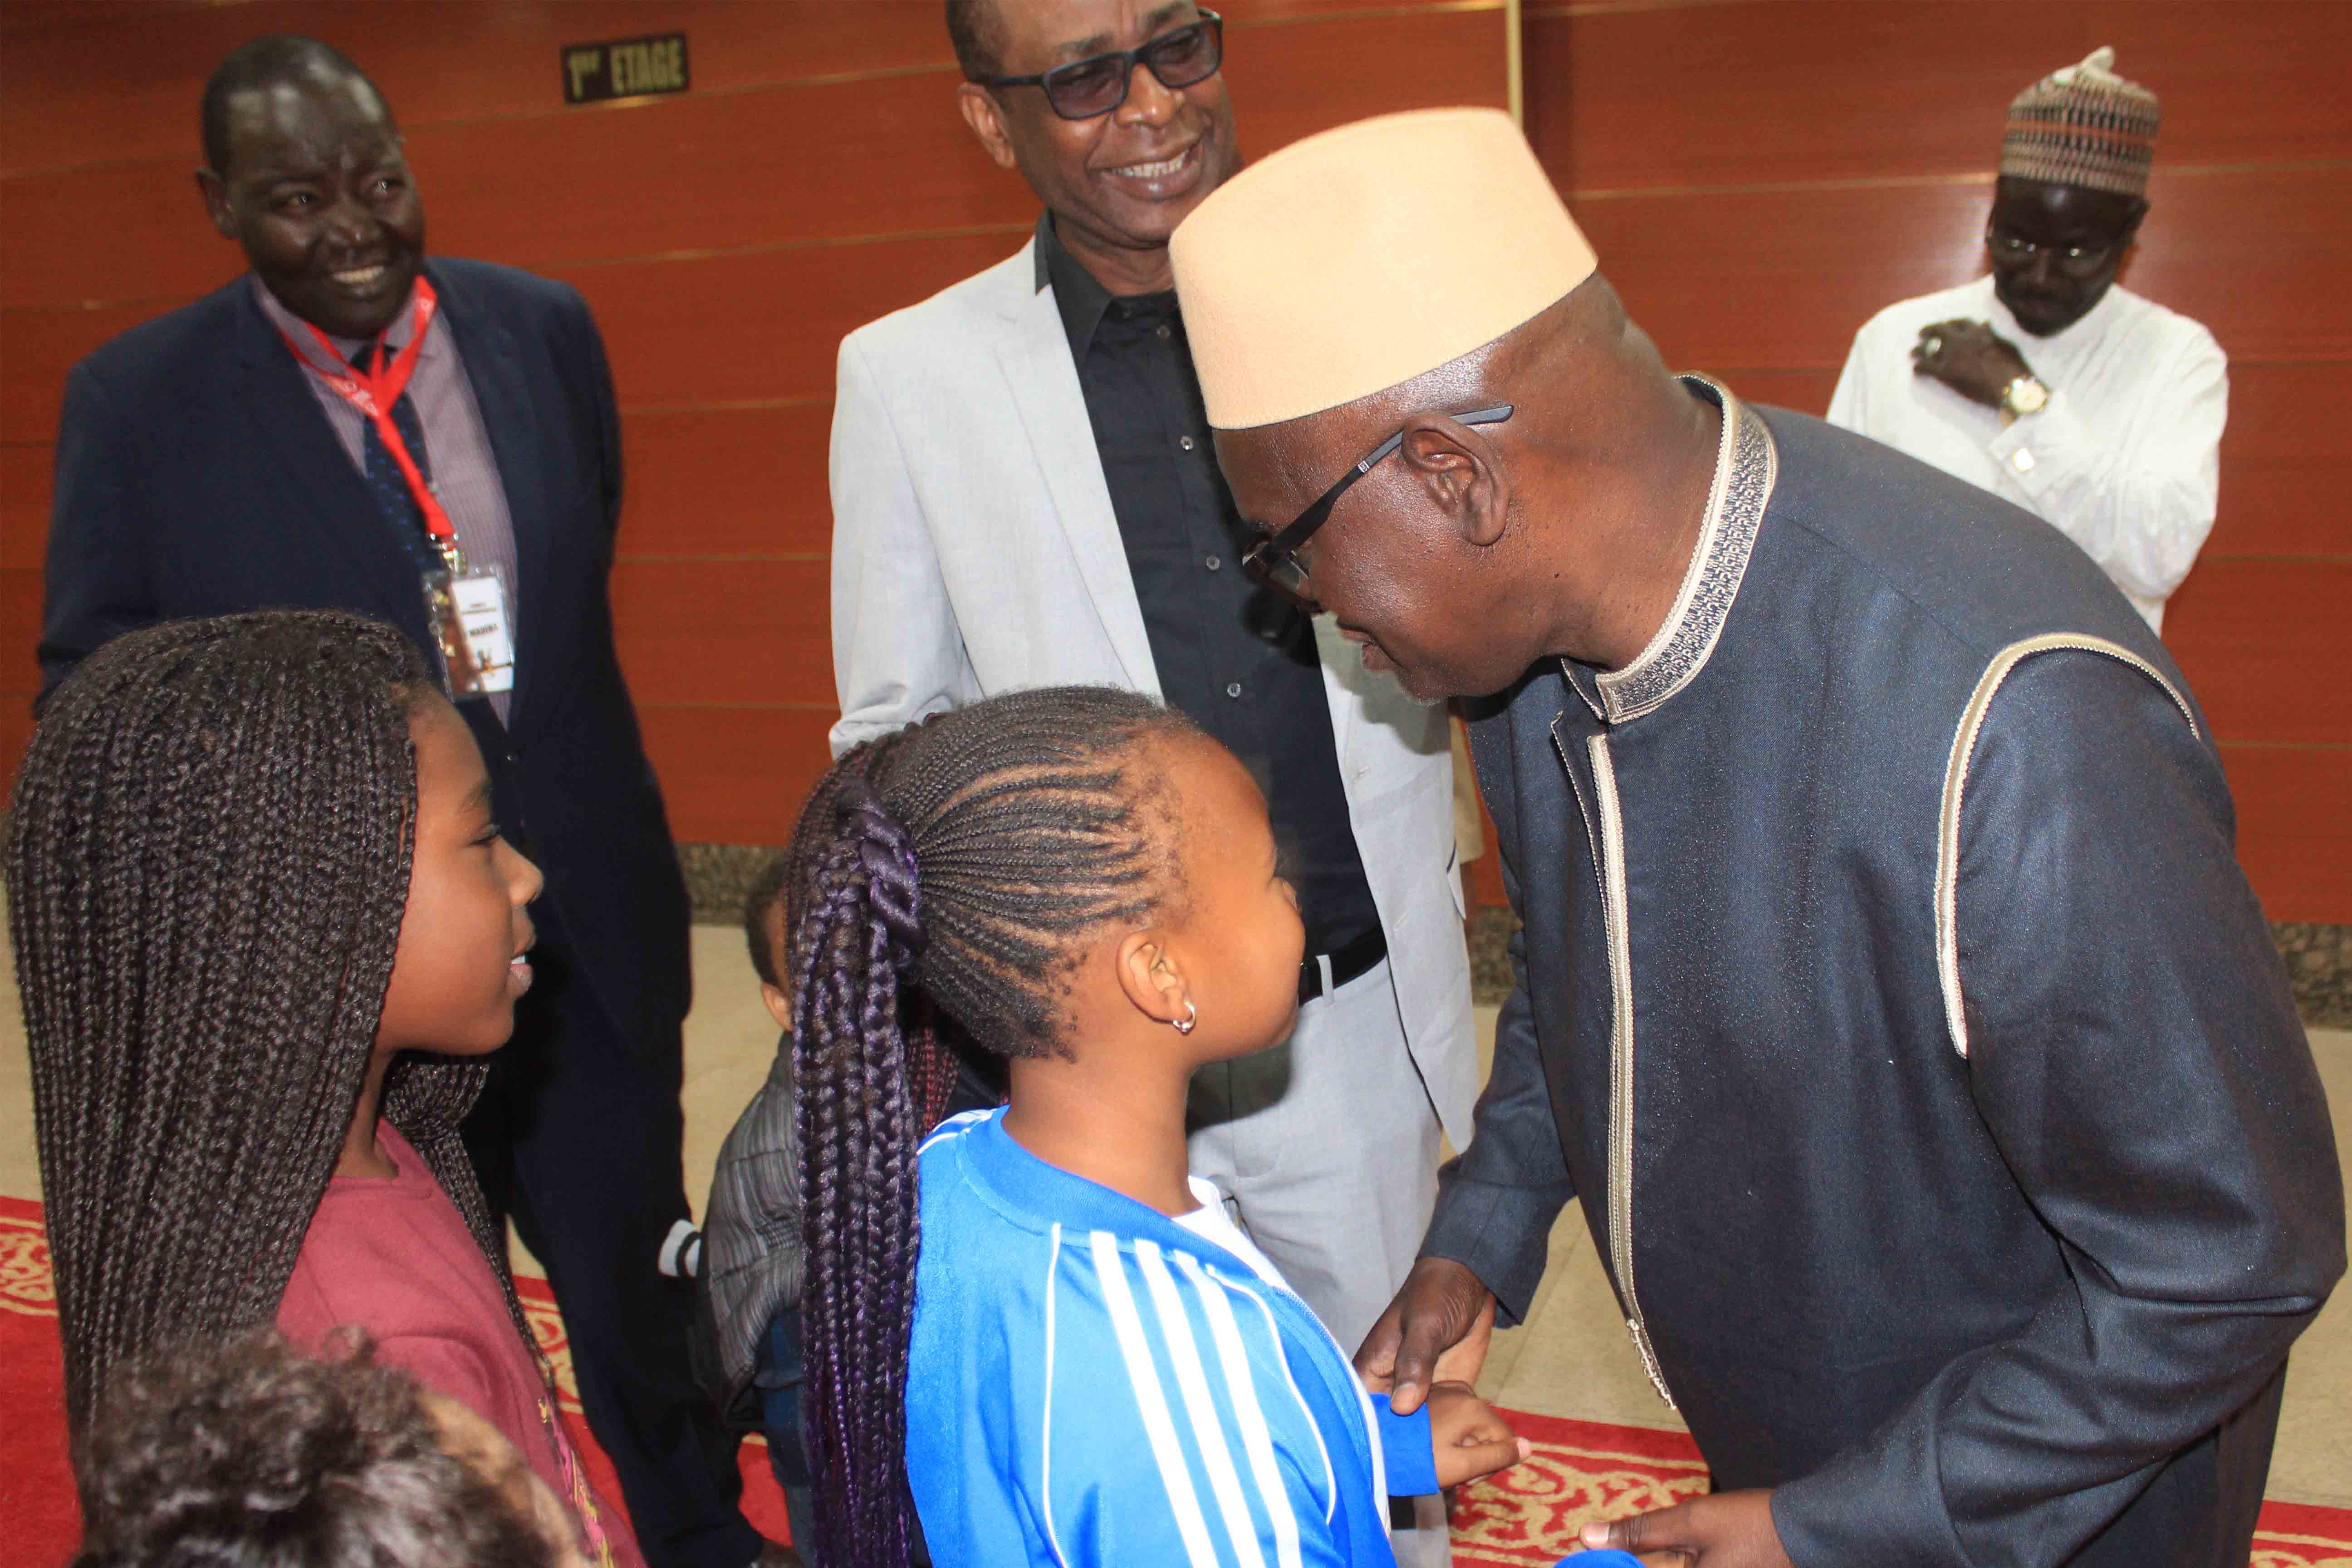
<point>1472,551</point>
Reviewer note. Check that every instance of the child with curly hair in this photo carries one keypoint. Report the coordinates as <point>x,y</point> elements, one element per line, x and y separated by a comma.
<point>248,1451</point>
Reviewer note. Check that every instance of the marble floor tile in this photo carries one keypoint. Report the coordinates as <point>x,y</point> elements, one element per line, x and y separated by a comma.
<point>20,1158</point>
<point>2313,1462</point>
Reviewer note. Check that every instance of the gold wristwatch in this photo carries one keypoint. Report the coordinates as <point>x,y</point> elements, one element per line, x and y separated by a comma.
<point>2023,397</point>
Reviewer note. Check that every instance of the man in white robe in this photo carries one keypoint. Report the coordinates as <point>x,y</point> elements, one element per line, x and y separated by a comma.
<point>2044,383</point>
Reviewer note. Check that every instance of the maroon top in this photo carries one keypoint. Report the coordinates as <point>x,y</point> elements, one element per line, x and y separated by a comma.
<point>395,1257</point>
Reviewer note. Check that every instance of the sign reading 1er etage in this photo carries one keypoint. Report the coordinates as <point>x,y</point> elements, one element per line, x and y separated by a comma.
<point>592,72</point>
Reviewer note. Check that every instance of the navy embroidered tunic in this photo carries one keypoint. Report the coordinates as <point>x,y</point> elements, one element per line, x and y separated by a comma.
<point>1890,994</point>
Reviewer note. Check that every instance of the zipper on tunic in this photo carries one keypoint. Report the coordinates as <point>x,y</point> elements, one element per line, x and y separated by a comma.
<point>1620,1053</point>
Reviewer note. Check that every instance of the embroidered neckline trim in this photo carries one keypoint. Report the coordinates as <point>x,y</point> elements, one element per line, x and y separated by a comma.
<point>1745,467</point>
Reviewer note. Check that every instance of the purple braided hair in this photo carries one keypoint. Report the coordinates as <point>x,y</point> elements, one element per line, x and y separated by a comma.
<point>952,867</point>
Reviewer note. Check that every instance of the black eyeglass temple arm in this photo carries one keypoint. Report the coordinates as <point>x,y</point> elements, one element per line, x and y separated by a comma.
<point>1292,537</point>
<point>1377,453</point>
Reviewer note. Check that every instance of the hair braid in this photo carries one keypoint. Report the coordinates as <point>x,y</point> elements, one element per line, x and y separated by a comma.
<point>427,1097</point>
<point>208,862</point>
<point>953,866</point>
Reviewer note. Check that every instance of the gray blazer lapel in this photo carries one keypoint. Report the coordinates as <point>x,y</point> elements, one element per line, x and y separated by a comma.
<point>1036,353</point>
<point>1343,673</point>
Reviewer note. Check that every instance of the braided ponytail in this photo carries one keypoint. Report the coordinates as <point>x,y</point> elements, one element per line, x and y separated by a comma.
<point>957,865</point>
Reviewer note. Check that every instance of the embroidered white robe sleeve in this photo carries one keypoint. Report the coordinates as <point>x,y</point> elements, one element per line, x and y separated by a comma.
<point>2124,459</point>
<point>2141,508</point>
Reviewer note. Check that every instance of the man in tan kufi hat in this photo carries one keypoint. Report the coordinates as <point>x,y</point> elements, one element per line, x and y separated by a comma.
<point>1888,989</point>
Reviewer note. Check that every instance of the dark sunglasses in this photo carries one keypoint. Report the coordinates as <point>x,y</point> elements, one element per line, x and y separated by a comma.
<point>1097,84</point>
<point>1275,557</point>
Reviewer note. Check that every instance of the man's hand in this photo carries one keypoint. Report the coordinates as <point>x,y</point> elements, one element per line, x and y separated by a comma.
<point>1437,1328</point>
<point>1970,358</point>
<point>1467,1437</point>
<point>1730,1530</point>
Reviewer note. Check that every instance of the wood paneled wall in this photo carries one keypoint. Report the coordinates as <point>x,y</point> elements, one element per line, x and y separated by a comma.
<point>816,176</point>
<point>1760,176</point>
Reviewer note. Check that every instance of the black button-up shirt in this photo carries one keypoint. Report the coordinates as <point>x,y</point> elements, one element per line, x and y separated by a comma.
<point>1233,654</point>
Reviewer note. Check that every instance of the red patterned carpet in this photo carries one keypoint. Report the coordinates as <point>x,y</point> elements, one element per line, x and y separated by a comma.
<point>1526,1518</point>
<point>37,1500</point>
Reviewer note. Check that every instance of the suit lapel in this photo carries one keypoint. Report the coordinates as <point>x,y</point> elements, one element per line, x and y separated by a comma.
<point>1339,656</point>
<point>508,416</point>
<point>1036,354</point>
<point>299,457</point>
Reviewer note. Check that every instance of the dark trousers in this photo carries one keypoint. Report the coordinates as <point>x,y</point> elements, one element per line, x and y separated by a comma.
<point>578,1138</point>
<point>776,1374</point>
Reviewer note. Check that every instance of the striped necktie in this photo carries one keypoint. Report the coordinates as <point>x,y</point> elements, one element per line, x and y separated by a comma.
<point>387,483</point>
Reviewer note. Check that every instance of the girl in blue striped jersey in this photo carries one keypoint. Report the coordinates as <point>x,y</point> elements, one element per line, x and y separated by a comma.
<point>1085,1362</point>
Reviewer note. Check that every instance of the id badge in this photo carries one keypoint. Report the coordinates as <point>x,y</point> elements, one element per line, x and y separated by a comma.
<point>470,613</point>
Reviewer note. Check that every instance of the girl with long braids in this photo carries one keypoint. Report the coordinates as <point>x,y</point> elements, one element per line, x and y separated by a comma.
<point>1084,1361</point>
<point>265,932</point>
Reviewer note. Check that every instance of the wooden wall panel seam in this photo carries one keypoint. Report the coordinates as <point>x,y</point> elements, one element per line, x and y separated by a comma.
<point>1800,367</point>
<point>509,116</point>
<point>1366,14</point>
<point>1580,9</point>
<point>1976,176</point>
<point>779,706</point>
<point>721,406</point>
<point>796,556</point>
<point>777,247</point>
<point>552,264</point>
<point>943,67</point>
<point>2312,558</point>
<point>1983,176</point>
<point>160,302</point>
<point>2321,359</point>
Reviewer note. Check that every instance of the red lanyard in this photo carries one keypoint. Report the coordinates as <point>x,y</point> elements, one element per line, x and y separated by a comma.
<point>375,396</point>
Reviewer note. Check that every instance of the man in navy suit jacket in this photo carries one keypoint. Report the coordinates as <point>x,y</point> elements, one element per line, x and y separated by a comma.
<point>202,469</point>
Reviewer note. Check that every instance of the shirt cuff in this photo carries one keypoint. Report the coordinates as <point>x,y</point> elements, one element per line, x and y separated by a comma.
<point>1408,1450</point>
<point>2028,446</point>
<point>1503,1234</point>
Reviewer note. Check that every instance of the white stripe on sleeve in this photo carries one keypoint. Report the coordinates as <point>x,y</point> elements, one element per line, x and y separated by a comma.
<point>955,1126</point>
<point>1257,1442</point>
<point>1208,1430</point>
<point>1045,1439</point>
<point>1127,1324</point>
<point>1330,1481</point>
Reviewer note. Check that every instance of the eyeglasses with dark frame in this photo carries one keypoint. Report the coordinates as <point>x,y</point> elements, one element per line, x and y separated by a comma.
<point>1275,557</point>
<point>1097,84</point>
<point>2077,261</point>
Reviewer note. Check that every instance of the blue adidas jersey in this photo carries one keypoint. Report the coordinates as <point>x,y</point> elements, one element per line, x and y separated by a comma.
<point>1092,1383</point>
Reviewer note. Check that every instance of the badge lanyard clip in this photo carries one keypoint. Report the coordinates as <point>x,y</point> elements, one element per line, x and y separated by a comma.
<point>465,606</point>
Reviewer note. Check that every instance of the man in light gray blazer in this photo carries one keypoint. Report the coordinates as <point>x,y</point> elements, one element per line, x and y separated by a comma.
<point>1025,494</point>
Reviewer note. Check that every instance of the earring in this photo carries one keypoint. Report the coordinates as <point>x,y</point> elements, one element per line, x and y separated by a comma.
<point>1183,1025</point>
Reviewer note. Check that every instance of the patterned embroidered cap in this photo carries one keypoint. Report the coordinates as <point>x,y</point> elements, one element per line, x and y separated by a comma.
<point>2083,125</point>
